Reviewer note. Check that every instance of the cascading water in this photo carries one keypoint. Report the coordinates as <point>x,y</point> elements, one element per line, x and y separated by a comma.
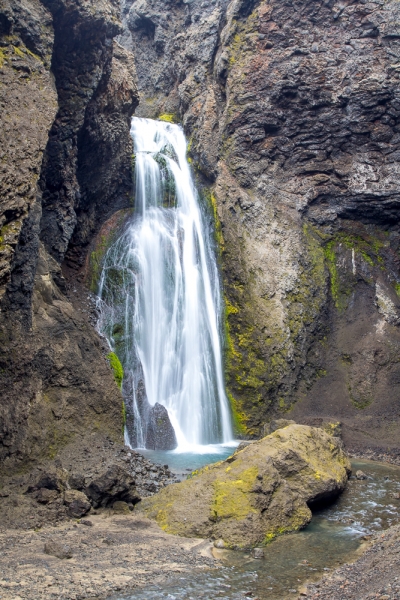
<point>159,298</point>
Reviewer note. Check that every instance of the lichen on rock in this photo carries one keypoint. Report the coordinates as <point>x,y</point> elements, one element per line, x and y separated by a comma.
<point>260,492</point>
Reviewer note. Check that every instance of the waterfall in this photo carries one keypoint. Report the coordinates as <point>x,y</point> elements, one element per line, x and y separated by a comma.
<point>160,301</point>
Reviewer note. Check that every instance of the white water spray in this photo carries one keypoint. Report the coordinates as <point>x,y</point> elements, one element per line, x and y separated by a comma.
<point>160,297</point>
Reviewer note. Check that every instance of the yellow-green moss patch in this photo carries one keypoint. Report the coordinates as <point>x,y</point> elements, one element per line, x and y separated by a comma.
<point>117,368</point>
<point>231,497</point>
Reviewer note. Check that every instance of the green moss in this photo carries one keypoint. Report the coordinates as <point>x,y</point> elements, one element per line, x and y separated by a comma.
<point>397,288</point>
<point>330,256</point>
<point>18,52</point>
<point>189,146</point>
<point>239,47</point>
<point>360,399</point>
<point>243,372</point>
<point>117,368</point>
<point>231,497</point>
<point>103,242</point>
<point>2,57</point>
<point>341,283</point>
<point>167,117</point>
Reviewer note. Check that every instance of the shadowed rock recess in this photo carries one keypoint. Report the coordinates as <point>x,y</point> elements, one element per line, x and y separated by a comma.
<point>292,111</point>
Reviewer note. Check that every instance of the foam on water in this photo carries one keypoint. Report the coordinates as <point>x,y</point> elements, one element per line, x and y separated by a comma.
<point>160,300</point>
<point>333,537</point>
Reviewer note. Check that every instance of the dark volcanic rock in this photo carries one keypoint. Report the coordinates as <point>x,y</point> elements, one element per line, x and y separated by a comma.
<point>67,93</point>
<point>115,484</point>
<point>160,433</point>
<point>51,481</point>
<point>76,482</point>
<point>77,503</point>
<point>44,495</point>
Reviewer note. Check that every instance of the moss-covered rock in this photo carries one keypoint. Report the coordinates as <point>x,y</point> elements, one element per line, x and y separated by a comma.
<point>258,493</point>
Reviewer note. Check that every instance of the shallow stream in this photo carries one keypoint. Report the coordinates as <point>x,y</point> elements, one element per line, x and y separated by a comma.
<point>334,536</point>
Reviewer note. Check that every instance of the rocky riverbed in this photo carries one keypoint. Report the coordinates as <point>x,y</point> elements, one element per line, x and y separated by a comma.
<point>94,558</point>
<point>375,575</point>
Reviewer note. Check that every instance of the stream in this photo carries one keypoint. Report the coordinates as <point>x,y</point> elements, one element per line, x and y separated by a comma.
<point>335,536</point>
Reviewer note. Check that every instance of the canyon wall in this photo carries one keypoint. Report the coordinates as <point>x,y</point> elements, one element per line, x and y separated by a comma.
<point>67,93</point>
<point>292,111</point>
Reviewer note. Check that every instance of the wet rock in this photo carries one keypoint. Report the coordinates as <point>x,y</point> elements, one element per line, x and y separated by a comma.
<point>58,549</point>
<point>360,475</point>
<point>264,491</point>
<point>160,433</point>
<point>115,484</point>
<point>258,553</point>
<point>77,502</point>
<point>219,544</point>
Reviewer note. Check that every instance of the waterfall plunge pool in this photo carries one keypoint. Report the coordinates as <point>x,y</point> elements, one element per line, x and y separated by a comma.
<point>186,459</point>
<point>335,536</point>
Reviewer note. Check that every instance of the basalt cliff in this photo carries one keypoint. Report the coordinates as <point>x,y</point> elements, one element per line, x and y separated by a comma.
<point>292,111</point>
<point>67,92</point>
<point>292,114</point>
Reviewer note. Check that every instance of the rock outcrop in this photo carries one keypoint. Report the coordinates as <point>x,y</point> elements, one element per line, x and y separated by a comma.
<point>113,485</point>
<point>160,433</point>
<point>262,491</point>
<point>292,110</point>
<point>77,480</point>
<point>67,92</point>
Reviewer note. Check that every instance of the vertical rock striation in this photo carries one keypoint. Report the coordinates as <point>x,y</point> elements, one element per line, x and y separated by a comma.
<point>67,94</point>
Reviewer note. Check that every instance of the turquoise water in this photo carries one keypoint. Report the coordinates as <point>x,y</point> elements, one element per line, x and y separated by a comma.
<point>182,463</point>
<point>334,536</point>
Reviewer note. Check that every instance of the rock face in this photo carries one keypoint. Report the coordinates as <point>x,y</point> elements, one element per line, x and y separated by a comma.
<point>160,433</point>
<point>67,93</point>
<point>77,503</point>
<point>292,110</point>
<point>260,492</point>
<point>115,484</point>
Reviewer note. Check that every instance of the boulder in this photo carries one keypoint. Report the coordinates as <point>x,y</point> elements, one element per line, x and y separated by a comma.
<point>77,503</point>
<point>57,549</point>
<point>276,424</point>
<point>258,553</point>
<point>262,491</point>
<point>115,484</point>
<point>77,482</point>
<point>46,496</point>
<point>160,433</point>
<point>121,507</point>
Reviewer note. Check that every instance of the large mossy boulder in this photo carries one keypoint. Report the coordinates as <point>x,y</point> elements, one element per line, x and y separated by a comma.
<point>262,491</point>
